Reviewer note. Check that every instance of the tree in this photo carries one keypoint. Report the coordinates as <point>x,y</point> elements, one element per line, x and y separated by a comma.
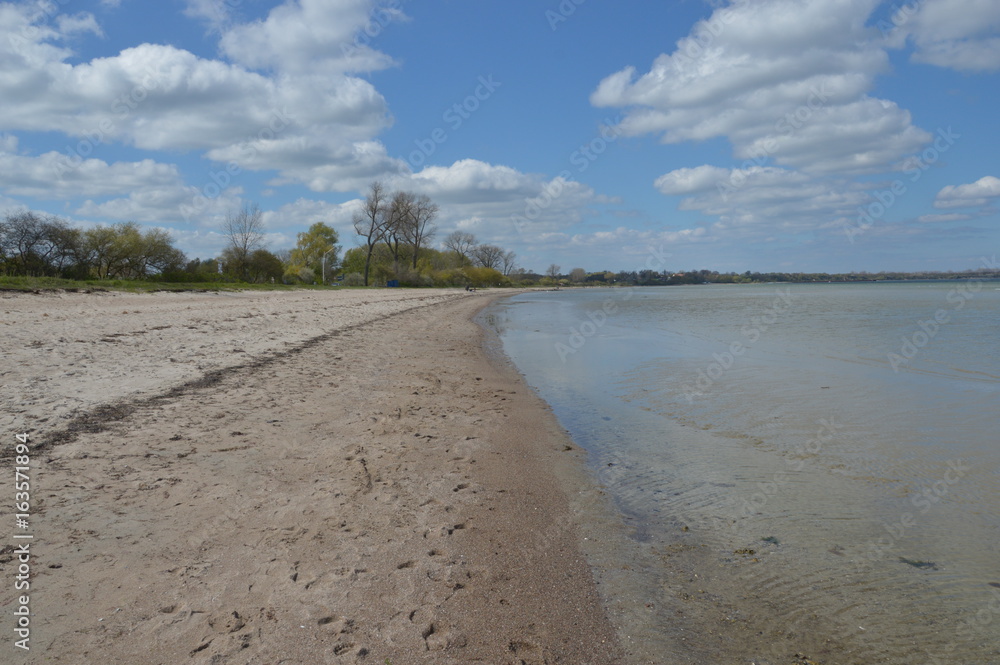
<point>553,271</point>
<point>507,262</point>
<point>397,221</point>
<point>578,274</point>
<point>488,256</point>
<point>124,251</point>
<point>319,241</point>
<point>419,227</point>
<point>263,266</point>
<point>245,231</point>
<point>31,244</point>
<point>370,221</point>
<point>461,243</point>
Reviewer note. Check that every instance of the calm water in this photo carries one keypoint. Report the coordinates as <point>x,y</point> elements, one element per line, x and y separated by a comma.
<point>811,469</point>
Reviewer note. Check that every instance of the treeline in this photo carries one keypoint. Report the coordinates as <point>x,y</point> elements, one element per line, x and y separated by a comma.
<point>396,229</point>
<point>33,245</point>
<point>666,278</point>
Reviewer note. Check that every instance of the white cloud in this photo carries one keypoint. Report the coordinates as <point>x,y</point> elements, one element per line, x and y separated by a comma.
<point>303,213</point>
<point>310,36</point>
<point>978,194</point>
<point>83,22</point>
<point>315,126</point>
<point>57,176</point>
<point>500,202</point>
<point>760,200</point>
<point>959,34</point>
<point>691,180</point>
<point>950,217</point>
<point>217,13</point>
<point>785,80</point>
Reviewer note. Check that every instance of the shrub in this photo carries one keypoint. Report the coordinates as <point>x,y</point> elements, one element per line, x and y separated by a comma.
<point>354,279</point>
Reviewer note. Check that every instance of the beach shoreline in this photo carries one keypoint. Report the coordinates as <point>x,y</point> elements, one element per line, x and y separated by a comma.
<point>366,486</point>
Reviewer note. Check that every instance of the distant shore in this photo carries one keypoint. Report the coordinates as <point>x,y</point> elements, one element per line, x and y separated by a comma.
<point>291,477</point>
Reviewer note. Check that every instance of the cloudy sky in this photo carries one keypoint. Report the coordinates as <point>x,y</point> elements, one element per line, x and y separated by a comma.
<point>790,135</point>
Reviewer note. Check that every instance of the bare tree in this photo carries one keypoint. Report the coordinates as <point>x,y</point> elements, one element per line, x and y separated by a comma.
<point>397,225</point>
<point>553,271</point>
<point>420,229</point>
<point>488,256</point>
<point>461,243</point>
<point>371,222</point>
<point>245,231</point>
<point>507,262</point>
<point>578,274</point>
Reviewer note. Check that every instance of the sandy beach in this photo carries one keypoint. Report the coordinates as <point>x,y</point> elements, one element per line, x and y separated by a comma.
<point>288,477</point>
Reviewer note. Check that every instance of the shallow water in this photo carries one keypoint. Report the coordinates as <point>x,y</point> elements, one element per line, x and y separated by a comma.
<point>814,466</point>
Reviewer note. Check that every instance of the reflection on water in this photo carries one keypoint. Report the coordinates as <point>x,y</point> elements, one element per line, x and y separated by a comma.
<point>820,460</point>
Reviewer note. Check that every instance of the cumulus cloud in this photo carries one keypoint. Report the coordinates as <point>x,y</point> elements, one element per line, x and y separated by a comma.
<point>978,194</point>
<point>757,201</point>
<point>507,204</point>
<point>54,175</point>
<point>162,98</point>
<point>283,101</point>
<point>312,36</point>
<point>958,34</point>
<point>782,80</point>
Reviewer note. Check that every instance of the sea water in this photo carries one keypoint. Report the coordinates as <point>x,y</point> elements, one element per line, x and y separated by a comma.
<point>812,464</point>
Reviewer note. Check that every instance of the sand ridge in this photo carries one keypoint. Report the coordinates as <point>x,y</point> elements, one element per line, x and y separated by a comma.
<point>381,494</point>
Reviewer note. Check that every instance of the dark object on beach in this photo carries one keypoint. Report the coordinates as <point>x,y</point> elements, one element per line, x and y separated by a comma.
<point>994,584</point>
<point>923,565</point>
<point>772,540</point>
<point>470,288</point>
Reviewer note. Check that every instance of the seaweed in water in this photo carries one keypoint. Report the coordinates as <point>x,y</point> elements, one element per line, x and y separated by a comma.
<point>923,565</point>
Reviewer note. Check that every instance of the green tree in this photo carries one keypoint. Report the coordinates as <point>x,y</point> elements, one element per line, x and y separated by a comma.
<point>312,245</point>
<point>125,251</point>
<point>263,266</point>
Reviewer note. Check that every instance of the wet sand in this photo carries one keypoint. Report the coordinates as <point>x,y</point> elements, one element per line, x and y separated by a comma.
<point>290,478</point>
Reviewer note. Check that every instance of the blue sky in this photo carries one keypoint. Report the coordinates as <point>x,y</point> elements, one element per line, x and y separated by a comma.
<point>795,135</point>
